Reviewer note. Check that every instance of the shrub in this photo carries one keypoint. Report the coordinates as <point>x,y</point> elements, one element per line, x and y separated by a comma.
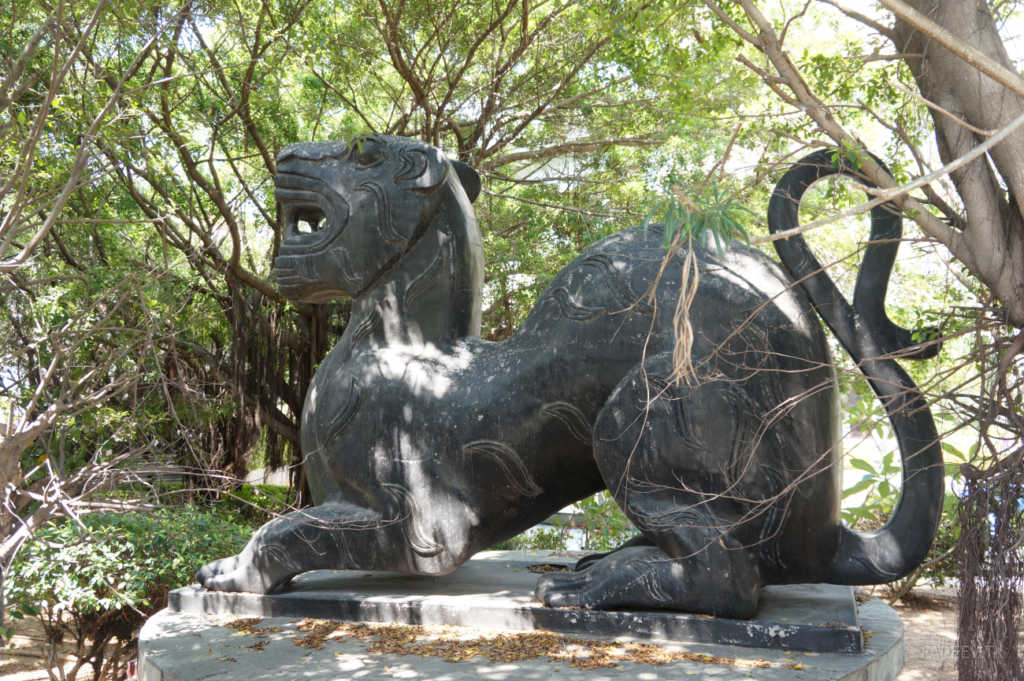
<point>541,539</point>
<point>607,527</point>
<point>257,504</point>
<point>99,580</point>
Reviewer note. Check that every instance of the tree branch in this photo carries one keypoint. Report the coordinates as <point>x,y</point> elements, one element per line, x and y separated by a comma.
<point>862,18</point>
<point>886,57</point>
<point>720,13</point>
<point>978,60</point>
<point>575,147</point>
<point>820,114</point>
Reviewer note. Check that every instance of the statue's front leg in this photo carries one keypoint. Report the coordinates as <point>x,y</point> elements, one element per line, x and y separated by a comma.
<point>325,537</point>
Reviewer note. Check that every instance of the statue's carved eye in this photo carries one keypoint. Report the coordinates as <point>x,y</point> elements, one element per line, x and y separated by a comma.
<point>366,152</point>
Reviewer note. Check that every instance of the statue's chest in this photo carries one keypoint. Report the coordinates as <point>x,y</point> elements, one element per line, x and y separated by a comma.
<point>374,397</point>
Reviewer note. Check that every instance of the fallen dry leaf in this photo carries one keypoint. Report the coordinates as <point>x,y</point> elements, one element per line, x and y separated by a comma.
<point>545,568</point>
<point>455,644</point>
<point>248,626</point>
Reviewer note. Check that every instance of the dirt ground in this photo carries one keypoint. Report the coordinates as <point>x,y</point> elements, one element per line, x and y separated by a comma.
<point>929,625</point>
<point>929,620</point>
<point>26,660</point>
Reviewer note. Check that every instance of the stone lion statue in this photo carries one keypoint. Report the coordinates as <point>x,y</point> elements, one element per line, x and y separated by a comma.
<point>424,444</point>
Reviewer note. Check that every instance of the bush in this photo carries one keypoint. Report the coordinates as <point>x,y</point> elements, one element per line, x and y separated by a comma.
<point>99,580</point>
<point>257,504</point>
<point>540,539</point>
<point>607,527</point>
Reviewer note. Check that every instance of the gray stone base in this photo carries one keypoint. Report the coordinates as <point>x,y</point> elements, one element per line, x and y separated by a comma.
<point>189,647</point>
<point>494,590</point>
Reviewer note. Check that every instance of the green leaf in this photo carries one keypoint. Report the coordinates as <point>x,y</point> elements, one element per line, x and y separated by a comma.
<point>861,464</point>
<point>858,487</point>
<point>63,573</point>
<point>862,513</point>
<point>953,451</point>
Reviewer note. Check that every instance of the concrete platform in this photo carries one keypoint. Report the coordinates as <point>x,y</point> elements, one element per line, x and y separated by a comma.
<point>191,647</point>
<point>494,590</point>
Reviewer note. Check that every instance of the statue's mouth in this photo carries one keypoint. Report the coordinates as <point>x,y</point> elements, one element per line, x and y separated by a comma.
<point>314,218</point>
<point>310,209</point>
<point>303,219</point>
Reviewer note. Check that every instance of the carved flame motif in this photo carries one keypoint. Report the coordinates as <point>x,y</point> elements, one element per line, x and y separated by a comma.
<point>509,462</point>
<point>346,414</point>
<point>569,309</point>
<point>649,578</point>
<point>279,554</point>
<point>409,509</point>
<point>367,326</point>
<point>573,418</point>
<point>422,282</point>
<point>619,286</point>
<point>682,418</point>
<point>345,268</point>
<point>383,203</point>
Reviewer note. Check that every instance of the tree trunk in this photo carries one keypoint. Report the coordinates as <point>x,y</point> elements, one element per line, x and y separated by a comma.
<point>994,227</point>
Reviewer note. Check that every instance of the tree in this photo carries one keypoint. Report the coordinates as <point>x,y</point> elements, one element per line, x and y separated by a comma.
<point>62,363</point>
<point>227,100</point>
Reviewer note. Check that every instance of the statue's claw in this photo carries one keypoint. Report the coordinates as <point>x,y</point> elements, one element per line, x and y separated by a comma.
<point>636,576</point>
<point>252,571</point>
<point>563,589</point>
<point>216,568</point>
<point>239,580</point>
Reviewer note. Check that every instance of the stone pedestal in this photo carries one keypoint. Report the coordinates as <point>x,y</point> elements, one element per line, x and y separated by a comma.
<point>800,632</point>
<point>494,590</point>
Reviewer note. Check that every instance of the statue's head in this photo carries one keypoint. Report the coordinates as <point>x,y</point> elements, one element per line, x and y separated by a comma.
<point>352,210</point>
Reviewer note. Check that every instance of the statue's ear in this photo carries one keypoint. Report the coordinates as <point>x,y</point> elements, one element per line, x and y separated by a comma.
<point>469,178</point>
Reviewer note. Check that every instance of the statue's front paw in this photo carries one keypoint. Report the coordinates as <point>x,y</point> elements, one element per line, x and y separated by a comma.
<point>258,569</point>
<point>215,569</point>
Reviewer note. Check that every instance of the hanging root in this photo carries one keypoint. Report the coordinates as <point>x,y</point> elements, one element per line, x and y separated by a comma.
<point>682,367</point>
<point>991,574</point>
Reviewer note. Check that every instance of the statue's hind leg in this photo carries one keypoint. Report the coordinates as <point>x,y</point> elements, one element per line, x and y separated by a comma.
<point>669,456</point>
